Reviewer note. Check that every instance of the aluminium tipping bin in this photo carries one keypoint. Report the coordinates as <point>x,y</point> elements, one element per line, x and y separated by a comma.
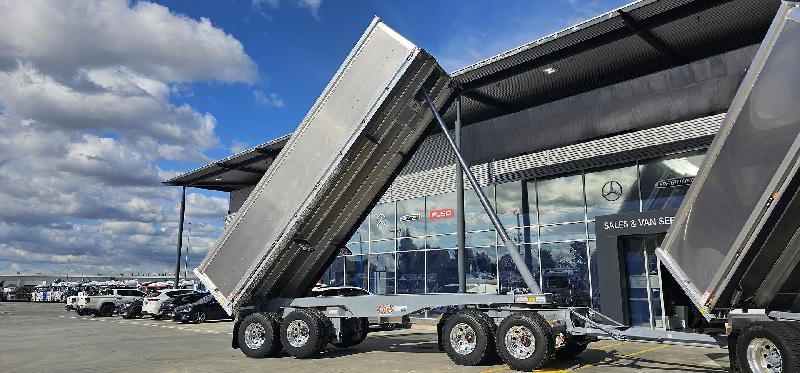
<point>337,164</point>
<point>735,241</point>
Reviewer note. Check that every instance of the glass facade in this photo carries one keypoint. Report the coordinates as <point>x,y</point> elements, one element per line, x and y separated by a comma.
<point>409,246</point>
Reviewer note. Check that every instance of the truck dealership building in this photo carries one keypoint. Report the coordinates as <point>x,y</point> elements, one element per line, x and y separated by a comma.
<point>585,140</point>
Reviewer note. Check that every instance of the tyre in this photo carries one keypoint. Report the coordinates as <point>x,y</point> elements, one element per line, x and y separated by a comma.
<point>354,331</point>
<point>156,317</point>
<point>303,333</point>
<point>81,312</point>
<point>468,338</point>
<point>525,341</point>
<point>388,326</point>
<point>258,336</point>
<point>199,317</point>
<point>106,310</point>
<point>770,346</point>
<point>574,347</point>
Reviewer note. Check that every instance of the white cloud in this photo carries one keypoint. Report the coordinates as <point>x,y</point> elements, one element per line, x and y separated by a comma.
<point>272,99</point>
<point>85,119</point>
<point>312,5</point>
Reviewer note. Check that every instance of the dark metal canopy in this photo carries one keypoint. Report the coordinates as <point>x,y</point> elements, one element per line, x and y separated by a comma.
<point>638,39</point>
<point>235,172</point>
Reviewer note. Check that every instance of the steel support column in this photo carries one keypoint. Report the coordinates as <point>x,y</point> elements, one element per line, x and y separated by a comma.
<point>180,238</point>
<point>460,223</point>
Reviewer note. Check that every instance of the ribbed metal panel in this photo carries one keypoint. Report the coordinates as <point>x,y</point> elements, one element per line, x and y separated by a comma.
<point>416,180</point>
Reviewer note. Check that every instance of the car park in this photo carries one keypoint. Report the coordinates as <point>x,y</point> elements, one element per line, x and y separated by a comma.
<point>167,309</point>
<point>152,302</point>
<point>207,308</point>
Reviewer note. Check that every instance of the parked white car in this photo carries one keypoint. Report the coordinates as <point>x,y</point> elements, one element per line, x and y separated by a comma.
<point>105,304</point>
<point>152,302</point>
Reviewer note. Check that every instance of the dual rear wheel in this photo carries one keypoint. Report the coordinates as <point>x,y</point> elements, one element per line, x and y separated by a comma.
<point>303,333</point>
<point>524,340</point>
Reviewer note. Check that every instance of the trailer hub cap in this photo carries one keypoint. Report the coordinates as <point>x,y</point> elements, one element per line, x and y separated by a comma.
<point>463,339</point>
<point>520,342</point>
<point>764,357</point>
<point>254,336</point>
<point>297,333</point>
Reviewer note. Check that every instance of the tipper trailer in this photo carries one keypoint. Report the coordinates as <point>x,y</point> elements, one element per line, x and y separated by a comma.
<point>371,118</point>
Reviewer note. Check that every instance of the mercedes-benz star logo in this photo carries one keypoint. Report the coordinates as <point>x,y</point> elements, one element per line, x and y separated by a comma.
<point>612,191</point>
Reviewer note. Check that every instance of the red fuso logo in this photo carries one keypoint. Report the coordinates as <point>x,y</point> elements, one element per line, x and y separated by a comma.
<point>441,214</point>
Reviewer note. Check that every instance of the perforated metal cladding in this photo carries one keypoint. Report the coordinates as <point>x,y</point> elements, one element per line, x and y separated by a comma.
<point>605,51</point>
<point>416,181</point>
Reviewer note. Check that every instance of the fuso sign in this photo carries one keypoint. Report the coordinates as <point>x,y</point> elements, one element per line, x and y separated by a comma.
<point>441,214</point>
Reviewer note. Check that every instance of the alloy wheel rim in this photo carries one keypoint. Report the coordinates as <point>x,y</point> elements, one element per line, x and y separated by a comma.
<point>764,357</point>
<point>297,333</point>
<point>463,339</point>
<point>519,342</point>
<point>254,336</point>
<point>200,316</point>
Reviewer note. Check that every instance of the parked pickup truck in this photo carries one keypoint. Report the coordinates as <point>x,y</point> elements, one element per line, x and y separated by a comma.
<point>105,303</point>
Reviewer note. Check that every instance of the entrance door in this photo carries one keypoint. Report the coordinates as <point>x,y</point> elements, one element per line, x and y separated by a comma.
<point>643,280</point>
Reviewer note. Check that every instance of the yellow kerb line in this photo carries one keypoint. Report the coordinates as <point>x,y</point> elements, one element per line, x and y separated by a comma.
<point>503,368</point>
<point>607,346</point>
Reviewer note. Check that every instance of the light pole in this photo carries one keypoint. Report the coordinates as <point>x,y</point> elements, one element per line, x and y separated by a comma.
<point>186,258</point>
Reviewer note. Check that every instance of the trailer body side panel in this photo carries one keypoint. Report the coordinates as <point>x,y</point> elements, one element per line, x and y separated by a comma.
<point>747,167</point>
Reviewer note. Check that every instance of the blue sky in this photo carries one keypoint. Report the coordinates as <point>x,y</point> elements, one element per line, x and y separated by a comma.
<point>101,100</point>
<point>297,51</point>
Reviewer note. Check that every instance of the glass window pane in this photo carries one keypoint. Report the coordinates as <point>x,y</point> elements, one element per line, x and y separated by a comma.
<point>516,203</point>
<point>382,221</point>
<point>385,246</point>
<point>591,230</point>
<point>475,217</point>
<point>612,191</point>
<point>410,243</point>
<point>441,242</point>
<point>355,248</point>
<point>482,270</point>
<point>381,274</point>
<point>485,238</point>
<point>355,268</point>
<point>362,234</point>
<point>565,272</point>
<point>442,276</point>
<point>411,272</point>
<point>665,181</point>
<point>411,218</point>
<point>334,276</point>
<point>441,213</point>
<point>563,232</point>
<point>510,279</point>
<point>561,199</point>
<point>521,235</point>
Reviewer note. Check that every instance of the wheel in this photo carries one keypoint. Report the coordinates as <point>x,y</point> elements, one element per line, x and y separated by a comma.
<point>525,341</point>
<point>258,336</point>
<point>354,331</point>
<point>303,333</point>
<point>388,326</point>
<point>156,317</point>
<point>106,310</point>
<point>199,317</point>
<point>769,347</point>
<point>574,347</point>
<point>81,312</point>
<point>136,312</point>
<point>468,337</point>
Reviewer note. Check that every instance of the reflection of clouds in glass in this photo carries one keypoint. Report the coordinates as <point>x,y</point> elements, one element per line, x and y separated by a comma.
<point>683,166</point>
<point>561,199</point>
